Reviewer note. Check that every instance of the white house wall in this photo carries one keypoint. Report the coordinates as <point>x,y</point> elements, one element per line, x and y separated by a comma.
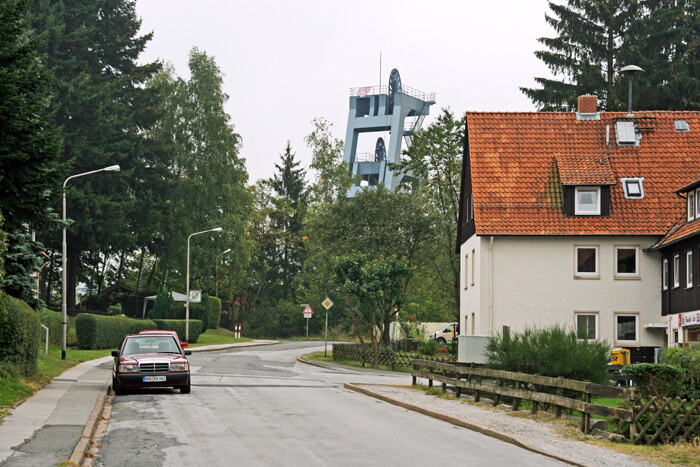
<point>534,286</point>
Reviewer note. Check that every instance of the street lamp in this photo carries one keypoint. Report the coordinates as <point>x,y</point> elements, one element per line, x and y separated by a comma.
<point>64,306</point>
<point>216,273</point>
<point>187,302</point>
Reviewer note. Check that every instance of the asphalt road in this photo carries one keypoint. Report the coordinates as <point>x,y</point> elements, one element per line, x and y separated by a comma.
<point>258,406</point>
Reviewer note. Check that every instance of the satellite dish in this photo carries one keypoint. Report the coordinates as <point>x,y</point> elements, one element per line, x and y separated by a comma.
<point>380,150</point>
<point>394,82</point>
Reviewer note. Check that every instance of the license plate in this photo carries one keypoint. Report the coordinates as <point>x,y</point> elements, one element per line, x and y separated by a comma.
<point>153,379</point>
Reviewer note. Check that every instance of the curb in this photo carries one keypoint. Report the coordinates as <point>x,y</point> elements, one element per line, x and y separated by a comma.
<point>83,445</point>
<point>463,424</point>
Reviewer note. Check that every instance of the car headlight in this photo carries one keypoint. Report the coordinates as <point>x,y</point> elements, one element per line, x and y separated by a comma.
<point>179,366</point>
<point>128,368</point>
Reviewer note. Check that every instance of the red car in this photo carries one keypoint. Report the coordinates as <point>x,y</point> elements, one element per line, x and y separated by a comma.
<point>152,359</point>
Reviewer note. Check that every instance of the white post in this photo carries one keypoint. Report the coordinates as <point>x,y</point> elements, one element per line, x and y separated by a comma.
<point>187,280</point>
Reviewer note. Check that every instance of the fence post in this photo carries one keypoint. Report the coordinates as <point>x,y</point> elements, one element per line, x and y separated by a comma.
<point>560,392</point>
<point>633,425</point>
<point>414,380</point>
<point>534,403</point>
<point>586,419</point>
<point>430,380</point>
<point>516,400</point>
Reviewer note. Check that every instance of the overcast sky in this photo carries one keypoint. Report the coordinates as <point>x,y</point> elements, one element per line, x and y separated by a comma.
<point>287,62</point>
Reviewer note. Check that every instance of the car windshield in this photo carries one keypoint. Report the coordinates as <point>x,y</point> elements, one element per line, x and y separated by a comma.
<point>150,344</point>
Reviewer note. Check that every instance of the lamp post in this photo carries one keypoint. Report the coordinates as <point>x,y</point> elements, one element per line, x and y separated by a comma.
<point>216,272</point>
<point>187,302</point>
<point>64,305</point>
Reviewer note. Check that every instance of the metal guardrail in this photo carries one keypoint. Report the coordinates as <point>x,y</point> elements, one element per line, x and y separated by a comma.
<point>365,91</point>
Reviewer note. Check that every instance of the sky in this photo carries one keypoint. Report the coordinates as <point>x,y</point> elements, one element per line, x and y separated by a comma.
<point>287,62</point>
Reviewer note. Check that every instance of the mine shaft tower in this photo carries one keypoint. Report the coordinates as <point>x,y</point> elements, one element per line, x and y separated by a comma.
<point>397,109</point>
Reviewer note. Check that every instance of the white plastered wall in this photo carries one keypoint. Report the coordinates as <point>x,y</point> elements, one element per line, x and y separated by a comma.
<point>534,285</point>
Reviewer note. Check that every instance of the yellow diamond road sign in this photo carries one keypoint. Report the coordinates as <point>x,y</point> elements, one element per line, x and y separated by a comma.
<point>327,303</point>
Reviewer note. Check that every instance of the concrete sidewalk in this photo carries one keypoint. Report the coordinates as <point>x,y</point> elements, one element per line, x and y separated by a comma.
<point>55,424</point>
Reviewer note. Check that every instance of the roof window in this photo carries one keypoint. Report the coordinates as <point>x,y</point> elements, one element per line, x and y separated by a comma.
<point>626,133</point>
<point>633,187</point>
<point>681,126</point>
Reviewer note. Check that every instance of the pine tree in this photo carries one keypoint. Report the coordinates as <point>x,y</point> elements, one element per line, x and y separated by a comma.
<point>92,47</point>
<point>29,148</point>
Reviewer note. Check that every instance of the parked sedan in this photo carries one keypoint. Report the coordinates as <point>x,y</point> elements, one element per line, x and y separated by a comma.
<point>150,360</point>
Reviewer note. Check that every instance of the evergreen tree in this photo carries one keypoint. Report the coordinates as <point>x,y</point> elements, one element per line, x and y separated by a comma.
<point>92,47</point>
<point>290,205</point>
<point>584,54</point>
<point>29,148</point>
<point>596,38</point>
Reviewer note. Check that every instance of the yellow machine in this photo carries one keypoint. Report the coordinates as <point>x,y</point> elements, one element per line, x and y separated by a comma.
<point>620,357</point>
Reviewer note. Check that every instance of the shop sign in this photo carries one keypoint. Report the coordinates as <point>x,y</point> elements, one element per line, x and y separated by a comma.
<point>691,319</point>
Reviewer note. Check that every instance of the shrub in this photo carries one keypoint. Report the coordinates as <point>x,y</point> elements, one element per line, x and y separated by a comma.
<point>163,306</point>
<point>552,351</point>
<point>104,332</point>
<point>202,311</point>
<point>20,335</point>
<point>215,312</point>
<point>178,325</point>
<point>687,358</point>
<point>428,347</point>
<point>53,321</point>
<point>657,379</point>
<point>115,309</point>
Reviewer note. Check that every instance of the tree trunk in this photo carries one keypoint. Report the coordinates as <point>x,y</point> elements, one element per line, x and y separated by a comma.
<point>150,276</point>
<point>101,277</point>
<point>48,272</point>
<point>73,264</point>
<point>138,281</point>
<point>120,271</point>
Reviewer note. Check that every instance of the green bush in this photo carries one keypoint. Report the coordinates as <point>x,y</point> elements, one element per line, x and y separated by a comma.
<point>215,312</point>
<point>53,320</point>
<point>552,351</point>
<point>687,358</point>
<point>202,311</point>
<point>428,347</point>
<point>163,306</point>
<point>20,335</point>
<point>178,325</point>
<point>104,332</point>
<point>115,309</point>
<point>657,379</point>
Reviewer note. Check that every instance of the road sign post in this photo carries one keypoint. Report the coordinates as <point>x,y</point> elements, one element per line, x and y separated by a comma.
<point>308,313</point>
<point>327,303</point>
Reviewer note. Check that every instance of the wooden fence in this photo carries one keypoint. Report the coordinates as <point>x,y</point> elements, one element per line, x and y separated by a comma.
<point>354,352</point>
<point>655,420</point>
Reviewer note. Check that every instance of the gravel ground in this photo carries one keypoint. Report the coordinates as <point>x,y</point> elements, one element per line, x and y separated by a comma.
<point>544,436</point>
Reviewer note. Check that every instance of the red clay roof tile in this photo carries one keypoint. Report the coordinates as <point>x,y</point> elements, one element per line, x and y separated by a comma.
<point>518,162</point>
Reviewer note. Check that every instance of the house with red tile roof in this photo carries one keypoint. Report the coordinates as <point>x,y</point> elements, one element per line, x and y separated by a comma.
<point>559,214</point>
<point>680,269</point>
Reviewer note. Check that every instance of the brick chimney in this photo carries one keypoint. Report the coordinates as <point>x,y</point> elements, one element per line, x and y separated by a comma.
<point>587,104</point>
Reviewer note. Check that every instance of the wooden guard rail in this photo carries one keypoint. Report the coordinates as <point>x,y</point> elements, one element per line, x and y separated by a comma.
<point>523,386</point>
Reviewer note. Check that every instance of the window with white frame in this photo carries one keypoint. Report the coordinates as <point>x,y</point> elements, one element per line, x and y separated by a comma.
<point>664,275</point>
<point>691,206</point>
<point>676,271</point>
<point>587,201</point>
<point>586,326</point>
<point>586,262</point>
<point>473,265</point>
<point>626,327</point>
<point>689,269</point>
<point>633,187</point>
<point>466,271</point>
<point>697,203</point>
<point>627,261</point>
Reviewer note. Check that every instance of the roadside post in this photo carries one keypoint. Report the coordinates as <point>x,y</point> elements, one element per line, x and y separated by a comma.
<point>308,313</point>
<point>327,303</point>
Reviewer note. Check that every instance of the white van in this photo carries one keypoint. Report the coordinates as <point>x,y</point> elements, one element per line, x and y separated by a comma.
<point>444,335</point>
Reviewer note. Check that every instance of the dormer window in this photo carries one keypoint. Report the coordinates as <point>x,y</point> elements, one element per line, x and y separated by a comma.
<point>633,187</point>
<point>697,203</point>
<point>587,201</point>
<point>691,206</point>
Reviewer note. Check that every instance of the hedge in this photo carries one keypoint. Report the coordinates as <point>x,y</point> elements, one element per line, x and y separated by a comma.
<point>20,335</point>
<point>104,332</point>
<point>53,321</point>
<point>687,358</point>
<point>178,325</point>
<point>215,312</point>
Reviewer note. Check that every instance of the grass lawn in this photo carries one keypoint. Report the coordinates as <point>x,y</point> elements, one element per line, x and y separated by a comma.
<point>217,337</point>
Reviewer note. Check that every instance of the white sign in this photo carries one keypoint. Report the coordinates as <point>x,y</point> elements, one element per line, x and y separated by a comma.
<point>195,296</point>
<point>327,303</point>
<point>308,312</point>
<point>691,319</point>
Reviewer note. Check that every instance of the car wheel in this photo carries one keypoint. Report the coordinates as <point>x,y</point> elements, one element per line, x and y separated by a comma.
<point>116,387</point>
<point>441,341</point>
<point>186,388</point>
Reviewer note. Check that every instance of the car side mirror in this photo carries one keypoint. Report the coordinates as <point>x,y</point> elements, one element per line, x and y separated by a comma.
<point>188,352</point>
<point>115,353</point>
